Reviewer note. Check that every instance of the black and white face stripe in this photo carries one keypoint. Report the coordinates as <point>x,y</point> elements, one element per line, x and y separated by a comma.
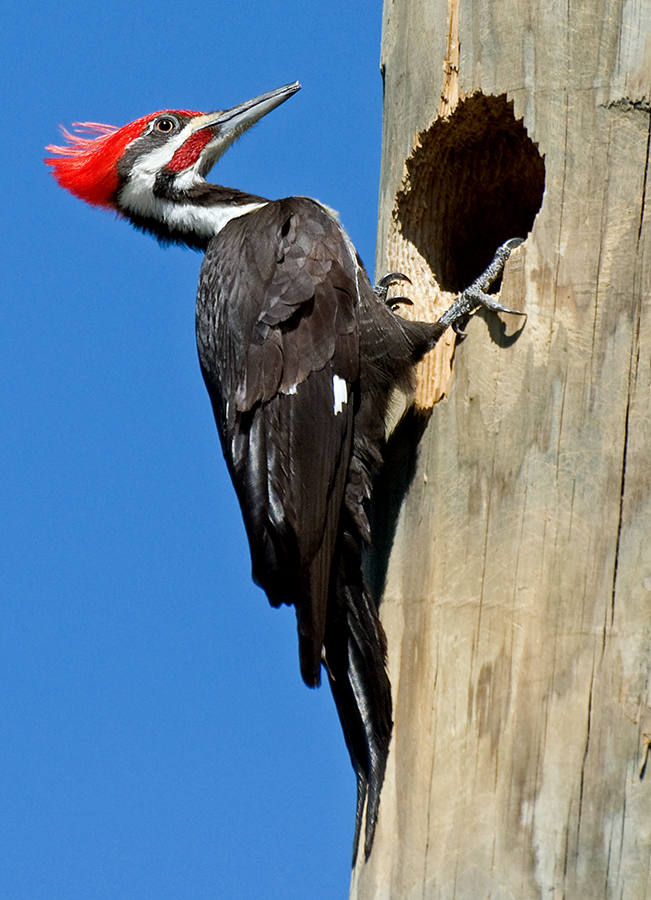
<point>189,223</point>
<point>155,148</point>
<point>171,204</point>
<point>162,172</point>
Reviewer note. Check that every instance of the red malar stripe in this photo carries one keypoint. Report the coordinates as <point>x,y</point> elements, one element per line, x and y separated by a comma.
<point>190,151</point>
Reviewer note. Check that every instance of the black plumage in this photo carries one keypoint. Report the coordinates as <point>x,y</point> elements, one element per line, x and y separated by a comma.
<point>284,308</point>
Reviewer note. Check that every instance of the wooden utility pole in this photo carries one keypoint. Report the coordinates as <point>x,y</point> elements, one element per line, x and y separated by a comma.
<point>516,516</point>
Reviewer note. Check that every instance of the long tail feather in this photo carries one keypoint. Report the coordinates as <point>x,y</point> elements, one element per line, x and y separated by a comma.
<point>355,654</point>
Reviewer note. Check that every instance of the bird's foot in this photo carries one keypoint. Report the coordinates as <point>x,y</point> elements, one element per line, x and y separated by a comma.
<point>382,290</point>
<point>477,295</point>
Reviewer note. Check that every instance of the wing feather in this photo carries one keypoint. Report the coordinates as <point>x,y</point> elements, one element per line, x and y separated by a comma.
<point>277,320</point>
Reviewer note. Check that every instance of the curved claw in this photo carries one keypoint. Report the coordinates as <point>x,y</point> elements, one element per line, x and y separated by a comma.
<point>382,287</point>
<point>488,303</point>
<point>512,243</point>
<point>495,269</point>
<point>390,278</point>
<point>477,294</point>
<point>394,302</point>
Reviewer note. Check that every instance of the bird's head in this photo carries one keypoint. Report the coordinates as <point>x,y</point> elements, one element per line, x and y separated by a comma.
<point>153,168</point>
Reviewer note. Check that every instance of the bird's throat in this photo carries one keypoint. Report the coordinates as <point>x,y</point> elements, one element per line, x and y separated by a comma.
<point>189,217</point>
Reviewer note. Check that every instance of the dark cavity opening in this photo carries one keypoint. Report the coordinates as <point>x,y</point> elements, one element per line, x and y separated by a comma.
<point>476,180</point>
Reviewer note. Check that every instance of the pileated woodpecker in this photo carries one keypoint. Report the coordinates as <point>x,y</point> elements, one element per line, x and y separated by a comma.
<point>299,354</point>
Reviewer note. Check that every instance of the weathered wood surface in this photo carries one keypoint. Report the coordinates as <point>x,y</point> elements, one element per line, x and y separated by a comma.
<point>517,599</point>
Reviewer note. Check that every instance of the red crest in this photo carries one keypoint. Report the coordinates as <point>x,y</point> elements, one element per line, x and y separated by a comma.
<point>87,165</point>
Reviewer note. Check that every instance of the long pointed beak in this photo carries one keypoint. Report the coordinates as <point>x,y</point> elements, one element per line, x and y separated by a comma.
<point>228,125</point>
<point>246,114</point>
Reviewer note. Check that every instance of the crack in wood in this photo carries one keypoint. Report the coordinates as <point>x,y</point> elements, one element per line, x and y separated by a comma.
<point>646,172</point>
<point>622,490</point>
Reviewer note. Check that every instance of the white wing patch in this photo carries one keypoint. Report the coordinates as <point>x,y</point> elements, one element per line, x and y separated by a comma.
<point>339,394</point>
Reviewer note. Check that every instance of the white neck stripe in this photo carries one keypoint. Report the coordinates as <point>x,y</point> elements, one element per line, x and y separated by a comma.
<point>137,197</point>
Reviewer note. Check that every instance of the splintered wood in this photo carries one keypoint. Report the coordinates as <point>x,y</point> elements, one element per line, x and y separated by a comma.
<point>473,180</point>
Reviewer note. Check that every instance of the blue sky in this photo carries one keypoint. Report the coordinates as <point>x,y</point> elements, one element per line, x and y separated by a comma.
<point>155,737</point>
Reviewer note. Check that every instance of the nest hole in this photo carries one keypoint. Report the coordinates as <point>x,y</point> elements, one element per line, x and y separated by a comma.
<point>475,180</point>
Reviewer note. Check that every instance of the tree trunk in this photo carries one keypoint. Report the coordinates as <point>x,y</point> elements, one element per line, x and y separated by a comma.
<point>513,525</point>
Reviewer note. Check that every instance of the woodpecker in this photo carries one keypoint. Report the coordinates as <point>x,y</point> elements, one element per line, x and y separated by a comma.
<point>300,355</point>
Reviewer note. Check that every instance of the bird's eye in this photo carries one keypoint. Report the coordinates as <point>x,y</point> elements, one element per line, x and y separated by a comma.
<point>165,125</point>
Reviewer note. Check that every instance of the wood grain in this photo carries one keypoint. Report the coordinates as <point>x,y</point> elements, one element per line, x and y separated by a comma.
<point>517,594</point>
